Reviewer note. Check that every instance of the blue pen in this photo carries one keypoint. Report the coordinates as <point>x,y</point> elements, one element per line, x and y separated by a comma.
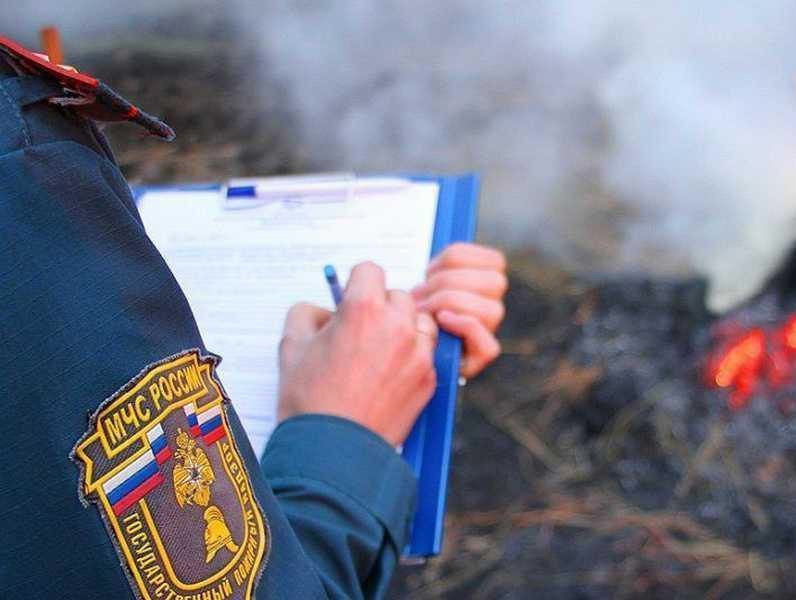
<point>334,284</point>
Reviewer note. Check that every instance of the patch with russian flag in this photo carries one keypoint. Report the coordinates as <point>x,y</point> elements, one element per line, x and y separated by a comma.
<point>193,424</point>
<point>133,482</point>
<point>211,426</point>
<point>158,444</point>
<point>158,462</point>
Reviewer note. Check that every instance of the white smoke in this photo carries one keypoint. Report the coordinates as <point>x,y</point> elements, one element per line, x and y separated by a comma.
<point>83,21</point>
<point>656,136</point>
<point>703,113</point>
<point>683,112</point>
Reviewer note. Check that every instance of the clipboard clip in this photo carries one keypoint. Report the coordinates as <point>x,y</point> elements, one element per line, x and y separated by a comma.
<point>241,194</point>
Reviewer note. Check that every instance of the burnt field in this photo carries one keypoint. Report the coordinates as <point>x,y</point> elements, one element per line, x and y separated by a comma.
<point>592,460</point>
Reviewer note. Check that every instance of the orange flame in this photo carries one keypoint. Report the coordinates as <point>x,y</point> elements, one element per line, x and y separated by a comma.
<point>738,367</point>
<point>752,358</point>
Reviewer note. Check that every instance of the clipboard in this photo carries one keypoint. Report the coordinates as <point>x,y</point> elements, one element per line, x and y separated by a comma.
<point>428,448</point>
<point>429,445</point>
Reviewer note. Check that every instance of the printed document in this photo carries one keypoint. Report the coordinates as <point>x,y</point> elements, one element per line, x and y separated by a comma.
<point>243,263</point>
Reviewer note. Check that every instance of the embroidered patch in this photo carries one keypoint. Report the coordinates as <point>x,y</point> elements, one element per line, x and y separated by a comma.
<point>160,461</point>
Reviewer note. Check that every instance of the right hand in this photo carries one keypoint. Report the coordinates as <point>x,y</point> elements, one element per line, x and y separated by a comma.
<point>371,362</point>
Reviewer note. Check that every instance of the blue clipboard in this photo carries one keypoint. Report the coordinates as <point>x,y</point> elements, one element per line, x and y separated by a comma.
<point>428,447</point>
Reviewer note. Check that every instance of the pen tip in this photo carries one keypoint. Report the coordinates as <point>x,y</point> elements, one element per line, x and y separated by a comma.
<point>329,271</point>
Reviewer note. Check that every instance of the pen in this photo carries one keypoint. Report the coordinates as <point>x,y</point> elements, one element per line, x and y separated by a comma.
<point>334,284</point>
<point>278,191</point>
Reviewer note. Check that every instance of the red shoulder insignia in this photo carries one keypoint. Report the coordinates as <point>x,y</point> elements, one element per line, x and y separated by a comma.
<point>82,93</point>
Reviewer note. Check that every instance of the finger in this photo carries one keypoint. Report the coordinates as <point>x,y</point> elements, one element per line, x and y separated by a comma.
<point>463,255</point>
<point>403,302</point>
<point>480,346</point>
<point>490,312</point>
<point>304,320</point>
<point>427,336</point>
<point>486,282</point>
<point>427,329</point>
<point>367,282</point>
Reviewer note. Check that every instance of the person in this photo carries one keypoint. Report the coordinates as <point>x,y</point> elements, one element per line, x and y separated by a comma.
<point>126,471</point>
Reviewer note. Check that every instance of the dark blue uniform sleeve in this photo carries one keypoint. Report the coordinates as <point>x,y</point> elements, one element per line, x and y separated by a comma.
<point>86,303</point>
<point>346,495</point>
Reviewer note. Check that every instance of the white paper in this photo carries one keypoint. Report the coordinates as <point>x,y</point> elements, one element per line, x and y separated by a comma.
<point>242,269</point>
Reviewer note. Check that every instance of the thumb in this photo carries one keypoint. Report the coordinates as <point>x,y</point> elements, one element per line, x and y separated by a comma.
<point>305,320</point>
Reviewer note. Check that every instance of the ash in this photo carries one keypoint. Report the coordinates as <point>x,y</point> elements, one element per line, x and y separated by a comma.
<point>591,461</point>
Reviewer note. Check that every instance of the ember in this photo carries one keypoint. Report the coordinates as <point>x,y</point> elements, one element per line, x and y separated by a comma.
<point>755,360</point>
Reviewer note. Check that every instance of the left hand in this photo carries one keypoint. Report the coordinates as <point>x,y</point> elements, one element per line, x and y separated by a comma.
<point>464,290</point>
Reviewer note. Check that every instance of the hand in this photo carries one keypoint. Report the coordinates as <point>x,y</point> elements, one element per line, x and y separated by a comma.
<point>464,290</point>
<point>371,362</point>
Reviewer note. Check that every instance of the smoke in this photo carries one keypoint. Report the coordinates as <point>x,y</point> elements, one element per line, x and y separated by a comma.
<point>620,135</point>
<point>85,19</point>
<point>702,113</point>
<point>656,136</point>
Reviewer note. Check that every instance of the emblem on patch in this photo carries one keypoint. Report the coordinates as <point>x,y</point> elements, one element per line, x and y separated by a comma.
<point>160,462</point>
